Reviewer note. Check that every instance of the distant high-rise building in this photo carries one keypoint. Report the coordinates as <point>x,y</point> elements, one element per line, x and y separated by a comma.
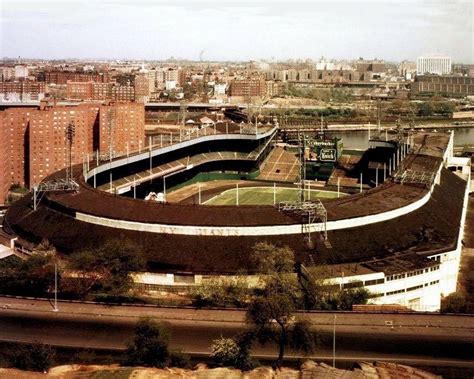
<point>142,87</point>
<point>248,87</point>
<point>433,65</point>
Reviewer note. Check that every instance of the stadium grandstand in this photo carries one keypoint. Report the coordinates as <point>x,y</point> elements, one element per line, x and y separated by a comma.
<point>400,237</point>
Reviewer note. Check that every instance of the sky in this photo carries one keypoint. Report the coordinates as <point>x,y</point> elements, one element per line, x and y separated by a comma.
<point>269,30</point>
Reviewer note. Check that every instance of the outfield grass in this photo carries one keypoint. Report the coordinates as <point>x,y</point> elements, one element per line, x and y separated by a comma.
<point>264,196</point>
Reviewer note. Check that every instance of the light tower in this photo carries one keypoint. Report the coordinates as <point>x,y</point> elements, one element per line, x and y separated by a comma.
<point>67,184</point>
<point>308,212</point>
<point>70,132</point>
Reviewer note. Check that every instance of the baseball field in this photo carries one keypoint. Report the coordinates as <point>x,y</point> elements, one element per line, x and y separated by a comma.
<point>265,196</point>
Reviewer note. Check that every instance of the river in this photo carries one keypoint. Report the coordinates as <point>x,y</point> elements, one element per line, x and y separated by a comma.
<point>359,139</point>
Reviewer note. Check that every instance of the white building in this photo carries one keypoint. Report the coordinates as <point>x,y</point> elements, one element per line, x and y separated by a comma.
<point>170,84</point>
<point>21,72</point>
<point>433,65</point>
<point>219,89</point>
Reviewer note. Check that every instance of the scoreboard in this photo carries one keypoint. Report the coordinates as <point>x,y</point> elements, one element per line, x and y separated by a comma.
<point>325,150</point>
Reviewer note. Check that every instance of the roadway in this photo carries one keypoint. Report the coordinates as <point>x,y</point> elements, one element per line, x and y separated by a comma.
<point>419,339</point>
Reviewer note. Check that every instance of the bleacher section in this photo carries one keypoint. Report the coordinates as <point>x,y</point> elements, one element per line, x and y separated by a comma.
<point>121,185</point>
<point>280,166</point>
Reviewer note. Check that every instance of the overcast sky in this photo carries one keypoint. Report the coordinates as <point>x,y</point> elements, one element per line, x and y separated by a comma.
<point>236,30</point>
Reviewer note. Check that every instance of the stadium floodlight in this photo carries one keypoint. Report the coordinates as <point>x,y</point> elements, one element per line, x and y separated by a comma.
<point>70,132</point>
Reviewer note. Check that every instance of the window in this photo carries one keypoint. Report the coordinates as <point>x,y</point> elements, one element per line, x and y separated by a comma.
<point>395,292</point>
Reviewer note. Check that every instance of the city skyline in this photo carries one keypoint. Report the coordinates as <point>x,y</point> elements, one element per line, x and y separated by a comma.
<point>236,31</point>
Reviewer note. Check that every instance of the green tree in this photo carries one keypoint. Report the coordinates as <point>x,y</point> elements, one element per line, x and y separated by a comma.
<point>425,109</point>
<point>234,352</point>
<point>225,352</point>
<point>149,346</point>
<point>271,318</point>
<point>454,303</point>
<point>33,357</point>
<point>232,292</point>
<point>107,268</point>
<point>270,259</point>
<point>33,276</point>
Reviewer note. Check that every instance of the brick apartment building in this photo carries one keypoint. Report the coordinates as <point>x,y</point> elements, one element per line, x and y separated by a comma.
<point>22,91</point>
<point>122,127</point>
<point>274,88</point>
<point>99,91</point>
<point>143,88</point>
<point>13,142</point>
<point>47,145</point>
<point>32,141</point>
<point>248,87</point>
<point>62,77</point>
<point>80,90</point>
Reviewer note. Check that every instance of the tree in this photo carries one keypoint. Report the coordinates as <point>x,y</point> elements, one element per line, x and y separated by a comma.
<point>33,276</point>
<point>232,292</point>
<point>270,259</point>
<point>271,318</point>
<point>225,352</point>
<point>234,352</point>
<point>33,357</point>
<point>454,303</point>
<point>107,268</point>
<point>149,346</point>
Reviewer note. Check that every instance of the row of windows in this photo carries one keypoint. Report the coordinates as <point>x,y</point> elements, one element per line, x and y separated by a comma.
<point>411,273</point>
<point>414,288</point>
<point>373,282</point>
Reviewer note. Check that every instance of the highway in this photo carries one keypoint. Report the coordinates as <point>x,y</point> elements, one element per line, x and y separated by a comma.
<point>422,339</point>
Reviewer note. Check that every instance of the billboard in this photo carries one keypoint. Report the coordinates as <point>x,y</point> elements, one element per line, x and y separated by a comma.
<point>325,150</point>
<point>328,155</point>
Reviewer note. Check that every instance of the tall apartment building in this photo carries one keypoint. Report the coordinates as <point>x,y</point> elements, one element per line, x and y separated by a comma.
<point>123,93</point>
<point>79,90</point>
<point>13,145</point>
<point>99,91</point>
<point>122,127</point>
<point>102,91</point>
<point>47,144</point>
<point>274,88</point>
<point>5,181</point>
<point>62,77</point>
<point>22,91</point>
<point>32,141</point>
<point>248,87</point>
<point>407,69</point>
<point>142,87</point>
<point>433,65</point>
<point>315,76</point>
<point>7,72</point>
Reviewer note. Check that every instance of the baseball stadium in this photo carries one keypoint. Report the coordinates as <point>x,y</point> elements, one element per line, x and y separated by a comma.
<point>390,218</point>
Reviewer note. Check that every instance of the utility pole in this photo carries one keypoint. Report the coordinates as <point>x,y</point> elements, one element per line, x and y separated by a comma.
<point>379,114</point>
<point>302,173</point>
<point>55,309</point>
<point>334,343</point>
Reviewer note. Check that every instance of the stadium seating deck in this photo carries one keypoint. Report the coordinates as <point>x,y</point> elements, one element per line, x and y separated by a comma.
<point>280,166</point>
